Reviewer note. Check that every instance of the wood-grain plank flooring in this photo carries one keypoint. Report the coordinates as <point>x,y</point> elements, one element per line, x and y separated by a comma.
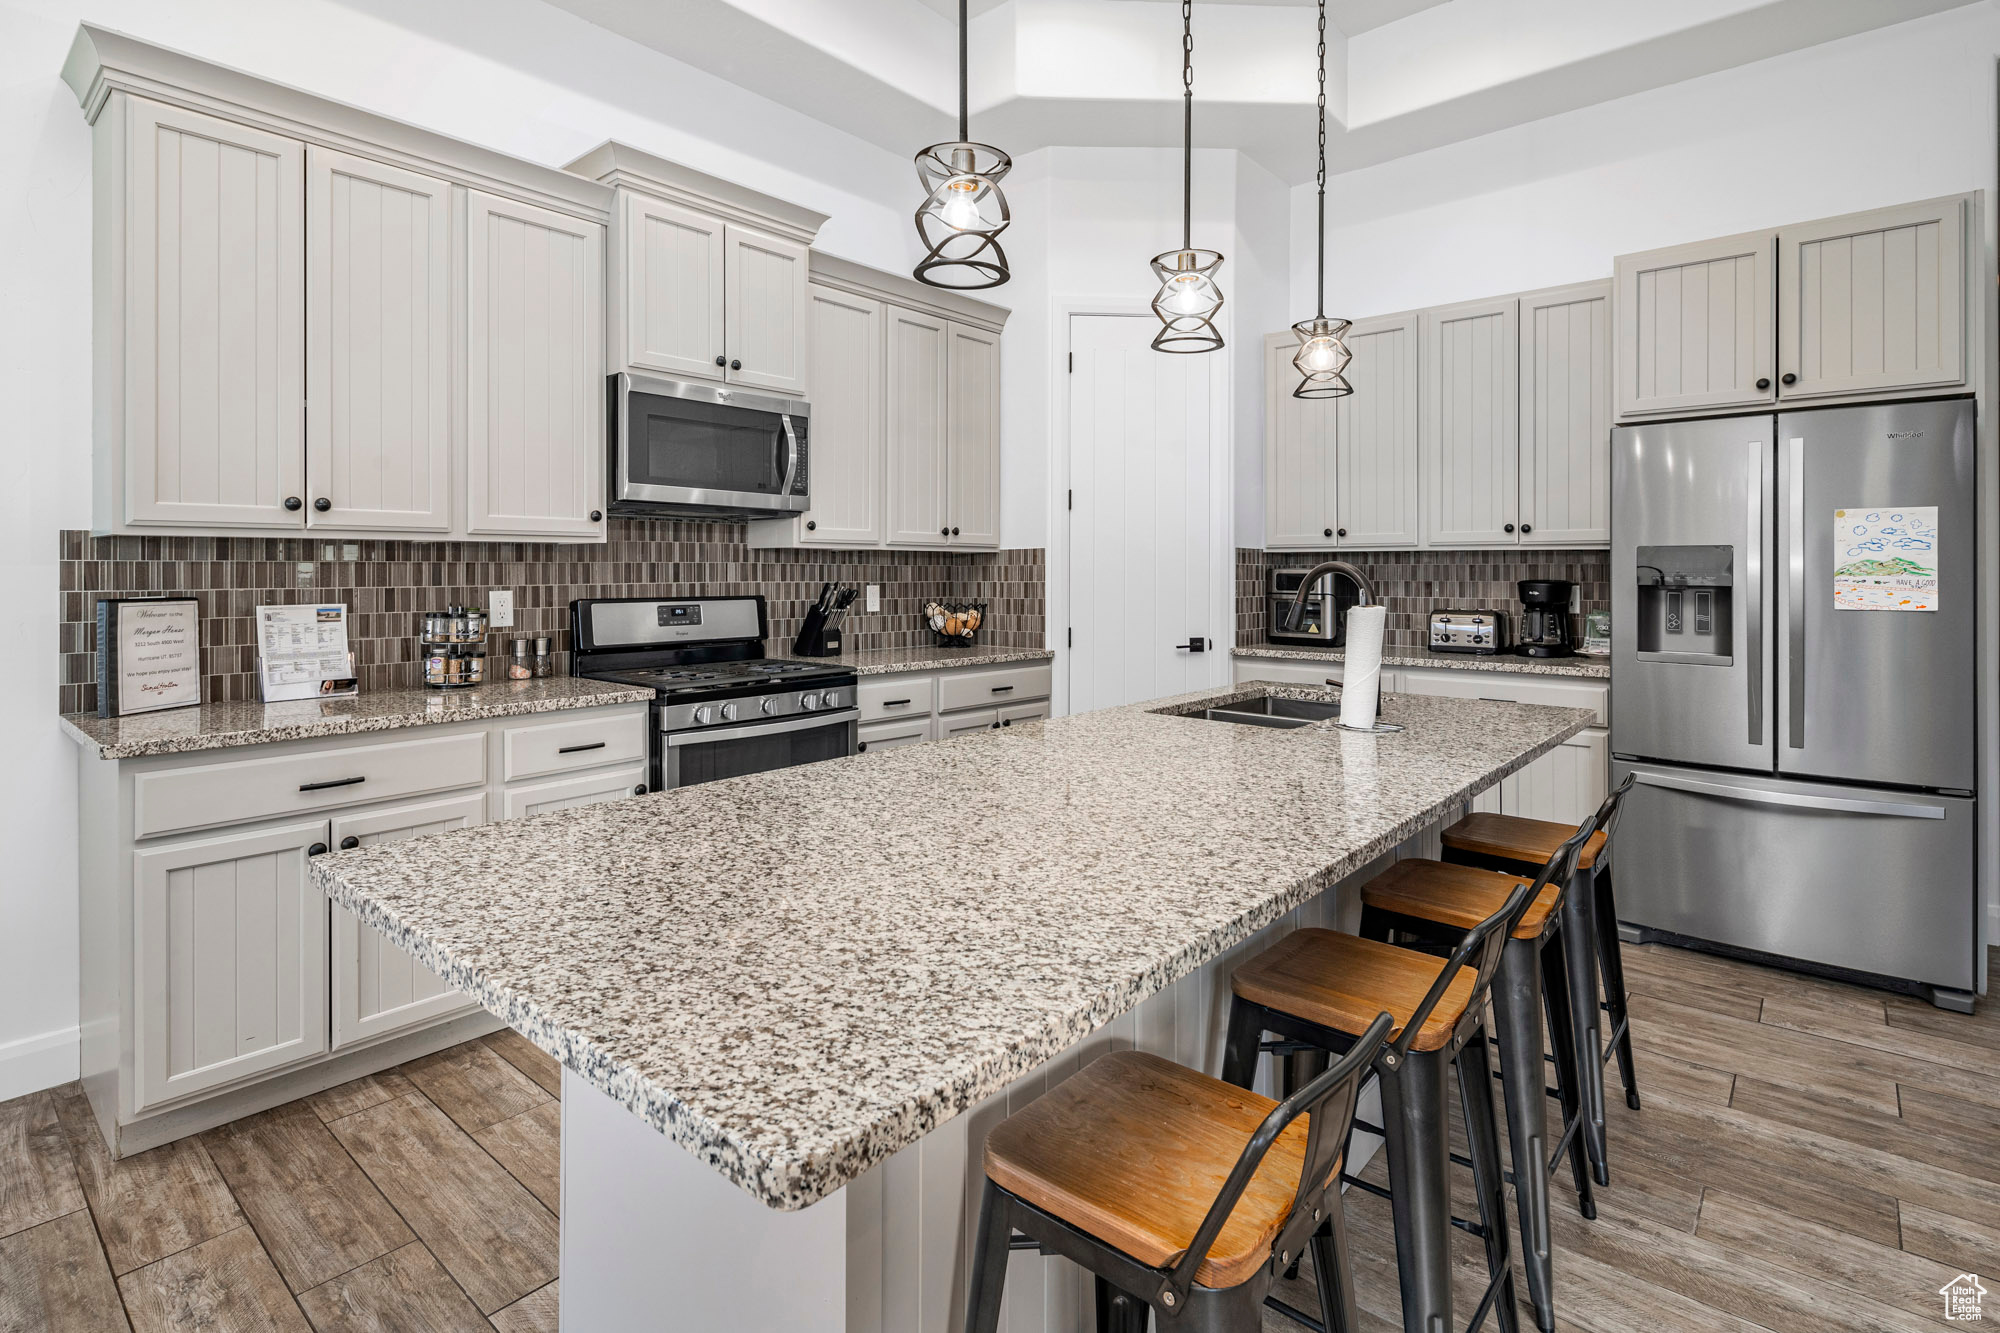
<point>1810,1157</point>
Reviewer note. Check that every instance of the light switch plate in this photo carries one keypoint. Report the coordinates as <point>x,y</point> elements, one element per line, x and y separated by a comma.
<point>500,608</point>
<point>874,597</point>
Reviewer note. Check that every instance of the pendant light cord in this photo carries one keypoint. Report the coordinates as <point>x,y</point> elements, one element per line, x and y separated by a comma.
<point>962,122</point>
<point>1187,123</point>
<point>1321,253</point>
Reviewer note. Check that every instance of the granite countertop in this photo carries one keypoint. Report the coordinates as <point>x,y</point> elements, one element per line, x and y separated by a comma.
<point>1591,668</point>
<point>219,726</point>
<point>926,657</point>
<point>796,973</point>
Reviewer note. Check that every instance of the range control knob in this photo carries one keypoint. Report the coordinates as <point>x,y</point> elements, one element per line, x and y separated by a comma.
<point>729,712</point>
<point>703,715</point>
<point>769,705</point>
<point>831,699</point>
<point>809,702</point>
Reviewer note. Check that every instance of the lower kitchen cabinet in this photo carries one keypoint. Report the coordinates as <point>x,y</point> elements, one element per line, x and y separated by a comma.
<point>1034,712</point>
<point>377,989</point>
<point>894,735</point>
<point>541,797</point>
<point>911,707</point>
<point>1564,785</point>
<point>964,724</point>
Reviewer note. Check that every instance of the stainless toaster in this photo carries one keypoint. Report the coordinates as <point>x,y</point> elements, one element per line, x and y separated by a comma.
<point>1481,632</point>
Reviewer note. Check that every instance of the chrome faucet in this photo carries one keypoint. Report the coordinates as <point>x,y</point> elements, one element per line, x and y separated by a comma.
<point>1365,589</point>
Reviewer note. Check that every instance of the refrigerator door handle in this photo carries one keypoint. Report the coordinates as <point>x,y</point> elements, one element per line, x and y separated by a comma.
<point>1795,590</point>
<point>1760,796</point>
<point>1753,611</point>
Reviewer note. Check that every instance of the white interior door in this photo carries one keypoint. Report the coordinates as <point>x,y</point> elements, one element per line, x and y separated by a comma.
<point>1149,564</point>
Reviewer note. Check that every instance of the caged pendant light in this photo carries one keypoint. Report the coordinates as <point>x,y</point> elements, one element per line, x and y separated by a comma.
<point>1189,295</point>
<point>963,212</point>
<point>1322,354</point>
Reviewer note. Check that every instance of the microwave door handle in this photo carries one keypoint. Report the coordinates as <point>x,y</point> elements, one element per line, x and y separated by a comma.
<point>791,454</point>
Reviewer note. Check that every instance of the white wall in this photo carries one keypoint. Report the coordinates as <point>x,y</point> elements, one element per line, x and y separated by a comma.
<point>513,74</point>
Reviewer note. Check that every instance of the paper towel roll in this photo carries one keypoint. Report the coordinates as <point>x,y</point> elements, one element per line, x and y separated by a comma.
<point>1361,683</point>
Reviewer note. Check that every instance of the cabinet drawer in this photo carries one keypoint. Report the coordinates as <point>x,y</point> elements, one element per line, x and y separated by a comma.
<point>598,737</point>
<point>969,689</point>
<point>894,735</point>
<point>964,724</point>
<point>1510,688</point>
<point>1034,712</point>
<point>293,784</point>
<point>564,793</point>
<point>898,696</point>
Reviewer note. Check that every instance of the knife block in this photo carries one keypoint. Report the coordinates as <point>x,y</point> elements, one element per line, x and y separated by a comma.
<point>819,636</point>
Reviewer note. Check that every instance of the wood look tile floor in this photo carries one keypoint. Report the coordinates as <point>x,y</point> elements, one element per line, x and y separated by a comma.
<point>1811,1158</point>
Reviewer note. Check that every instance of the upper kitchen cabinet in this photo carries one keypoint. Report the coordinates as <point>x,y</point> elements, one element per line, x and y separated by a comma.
<point>1875,302</point>
<point>1300,494</point>
<point>1375,437</point>
<point>1694,327</point>
<point>535,399</point>
<point>284,333</point>
<point>905,425</point>
<point>708,279</point>
<point>1469,425</point>
<point>1566,416</point>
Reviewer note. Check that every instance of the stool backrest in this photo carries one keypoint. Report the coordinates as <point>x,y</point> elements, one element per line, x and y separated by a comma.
<point>1607,817</point>
<point>1483,943</point>
<point>1329,1102</point>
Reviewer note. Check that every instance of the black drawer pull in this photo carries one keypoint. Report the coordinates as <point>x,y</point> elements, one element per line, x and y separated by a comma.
<point>896,703</point>
<point>579,749</point>
<point>337,782</point>
<point>1002,689</point>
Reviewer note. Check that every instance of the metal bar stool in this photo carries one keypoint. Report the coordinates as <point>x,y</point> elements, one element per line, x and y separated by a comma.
<point>1317,987</point>
<point>1510,844</point>
<point>1183,1195</point>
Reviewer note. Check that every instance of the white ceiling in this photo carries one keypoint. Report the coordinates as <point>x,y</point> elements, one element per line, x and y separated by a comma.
<point>1403,75</point>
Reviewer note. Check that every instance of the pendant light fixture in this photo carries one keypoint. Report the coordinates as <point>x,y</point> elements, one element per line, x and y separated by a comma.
<point>1189,295</point>
<point>1322,354</point>
<point>963,212</point>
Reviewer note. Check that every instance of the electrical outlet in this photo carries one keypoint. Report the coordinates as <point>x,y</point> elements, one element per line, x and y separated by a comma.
<point>500,608</point>
<point>874,597</point>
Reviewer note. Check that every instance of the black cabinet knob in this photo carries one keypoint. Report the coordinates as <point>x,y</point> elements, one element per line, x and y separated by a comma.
<point>1788,378</point>
<point>317,849</point>
<point>722,361</point>
<point>1764,383</point>
<point>349,843</point>
<point>1341,533</point>
<point>954,532</point>
<point>812,525</point>
<point>1328,532</point>
<point>322,504</point>
<point>1007,722</point>
<point>861,746</point>
<point>1509,527</point>
<point>597,516</point>
<point>944,532</point>
<point>293,503</point>
<point>735,365</point>
<point>639,790</point>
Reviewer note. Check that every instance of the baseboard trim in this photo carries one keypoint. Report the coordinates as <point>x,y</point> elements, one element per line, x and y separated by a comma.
<point>29,1064</point>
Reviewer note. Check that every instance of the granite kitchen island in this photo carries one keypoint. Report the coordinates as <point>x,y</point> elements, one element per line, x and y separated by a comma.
<point>789,1006</point>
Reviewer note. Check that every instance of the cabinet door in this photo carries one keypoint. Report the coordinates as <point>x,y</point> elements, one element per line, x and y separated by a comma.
<point>1375,437</point>
<point>972,466</point>
<point>965,724</point>
<point>765,310</point>
<point>918,352</point>
<point>214,332</point>
<point>377,988</point>
<point>1874,302</point>
<point>542,797</point>
<point>1566,416</point>
<point>534,371</point>
<point>378,346</point>
<point>1469,424</point>
<point>671,291</point>
<point>1299,490</point>
<point>1034,712</point>
<point>229,960</point>
<point>846,439</point>
<point>1564,785</point>
<point>1694,326</point>
<point>895,734</point>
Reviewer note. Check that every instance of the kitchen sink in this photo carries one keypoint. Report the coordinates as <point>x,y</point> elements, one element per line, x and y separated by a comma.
<point>1271,710</point>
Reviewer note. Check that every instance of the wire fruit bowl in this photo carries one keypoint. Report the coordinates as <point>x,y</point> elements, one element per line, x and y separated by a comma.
<point>955,624</point>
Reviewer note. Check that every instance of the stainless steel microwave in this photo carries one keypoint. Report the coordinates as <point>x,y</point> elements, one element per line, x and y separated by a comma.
<point>679,447</point>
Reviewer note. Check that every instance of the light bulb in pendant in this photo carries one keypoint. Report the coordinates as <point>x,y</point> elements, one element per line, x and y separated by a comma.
<point>960,210</point>
<point>1321,358</point>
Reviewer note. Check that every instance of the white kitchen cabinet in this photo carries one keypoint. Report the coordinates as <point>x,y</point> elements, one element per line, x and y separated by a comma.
<point>1033,712</point>
<point>199,315</point>
<point>845,361</point>
<point>378,346</point>
<point>1875,303</point>
<point>534,371</point>
<point>972,442</point>
<point>764,310</point>
<point>1694,327</point>
<point>953,725</point>
<point>1300,491</point>
<point>229,965</point>
<point>1375,435</point>
<point>667,289</point>
<point>1469,423</point>
<point>376,988</point>
<point>1564,785</point>
<point>897,732</point>
<point>540,798</point>
<point>918,414</point>
<point>1566,416</point>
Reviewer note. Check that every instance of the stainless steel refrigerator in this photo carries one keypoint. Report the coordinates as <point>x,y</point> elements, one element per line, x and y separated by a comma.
<point>1793,674</point>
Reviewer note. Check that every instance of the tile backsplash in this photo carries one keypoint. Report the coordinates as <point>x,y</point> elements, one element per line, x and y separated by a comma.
<point>1412,584</point>
<point>386,584</point>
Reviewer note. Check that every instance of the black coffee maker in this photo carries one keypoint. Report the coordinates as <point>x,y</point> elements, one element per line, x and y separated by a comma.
<point>1546,629</point>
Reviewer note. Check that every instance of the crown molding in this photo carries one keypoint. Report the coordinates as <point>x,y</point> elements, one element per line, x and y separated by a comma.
<point>940,303</point>
<point>625,167</point>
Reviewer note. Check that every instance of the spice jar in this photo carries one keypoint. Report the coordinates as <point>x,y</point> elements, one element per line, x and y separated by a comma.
<point>520,660</point>
<point>543,660</point>
<point>454,665</point>
<point>454,624</point>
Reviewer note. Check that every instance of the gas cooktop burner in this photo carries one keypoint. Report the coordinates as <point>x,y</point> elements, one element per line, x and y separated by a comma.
<point>720,673</point>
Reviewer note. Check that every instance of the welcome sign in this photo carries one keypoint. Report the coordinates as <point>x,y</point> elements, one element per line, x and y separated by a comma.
<point>148,654</point>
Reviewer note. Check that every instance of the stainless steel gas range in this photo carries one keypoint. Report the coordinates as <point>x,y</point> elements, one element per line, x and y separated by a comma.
<point>720,708</point>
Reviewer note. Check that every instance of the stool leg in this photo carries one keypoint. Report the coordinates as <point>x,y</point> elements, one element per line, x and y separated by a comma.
<point>1419,1145</point>
<point>989,1263</point>
<point>1580,929</point>
<point>1118,1311</point>
<point>1332,1269</point>
<point>1374,924</point>
<point>1239,1049</point>
<point>1562,1037</point>
<point>1517,1013</point>
<point>1482,1138</point>
<point>1611,958</point>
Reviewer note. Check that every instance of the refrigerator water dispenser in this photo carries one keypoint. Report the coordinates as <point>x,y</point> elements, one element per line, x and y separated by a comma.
<point>1684,604</point>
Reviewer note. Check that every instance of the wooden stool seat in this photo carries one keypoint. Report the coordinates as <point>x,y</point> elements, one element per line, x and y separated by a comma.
<point>1512,838</point>
<point>1342,981</point>
<point>1459,896</point>
<point>1133,1149</point>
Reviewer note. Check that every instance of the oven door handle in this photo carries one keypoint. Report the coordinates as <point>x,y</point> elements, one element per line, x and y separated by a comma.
<point>806,722</point>
<point>791,455</point>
